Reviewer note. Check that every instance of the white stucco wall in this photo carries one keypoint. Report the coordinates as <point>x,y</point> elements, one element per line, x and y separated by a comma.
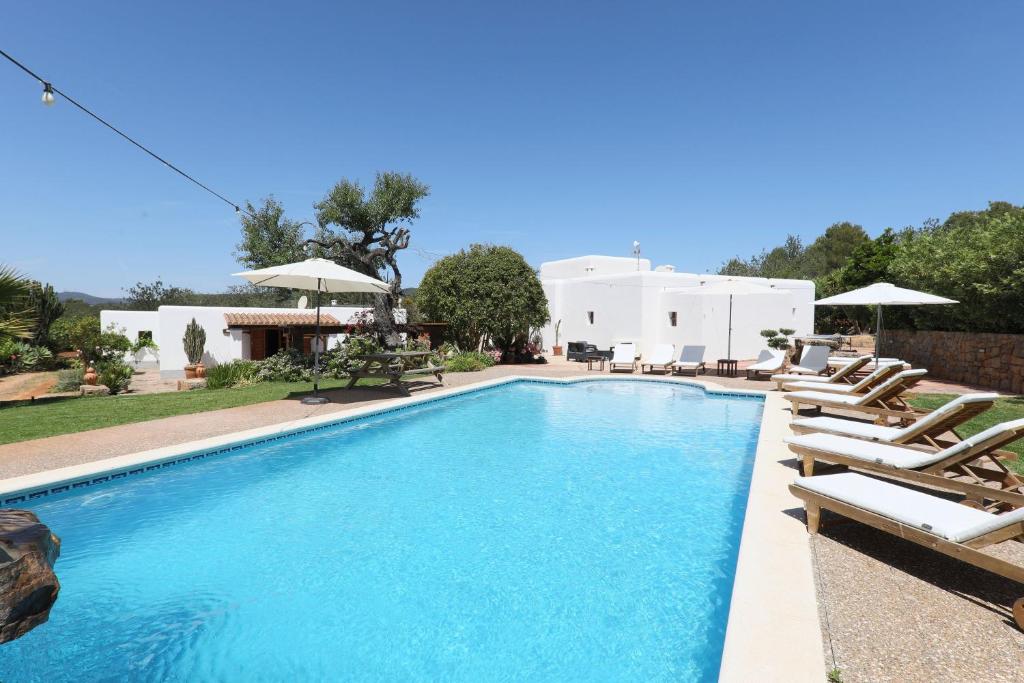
<point>130,323</point>
<point>222,345</point>
<point>631,305</point>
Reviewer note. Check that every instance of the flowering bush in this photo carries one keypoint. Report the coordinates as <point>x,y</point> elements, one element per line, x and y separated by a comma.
<point>287,365</point>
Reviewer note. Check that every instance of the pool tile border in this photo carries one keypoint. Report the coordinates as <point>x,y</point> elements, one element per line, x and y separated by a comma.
<point>31,487</point>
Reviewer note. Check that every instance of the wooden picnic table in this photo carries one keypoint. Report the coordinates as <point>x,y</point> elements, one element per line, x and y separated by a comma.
<point>390,365</point>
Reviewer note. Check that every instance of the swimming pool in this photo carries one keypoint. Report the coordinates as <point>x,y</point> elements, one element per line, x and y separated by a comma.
<point>528,531</point>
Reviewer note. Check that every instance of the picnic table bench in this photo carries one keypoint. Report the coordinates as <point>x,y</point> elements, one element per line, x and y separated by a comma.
<point>390,365</point>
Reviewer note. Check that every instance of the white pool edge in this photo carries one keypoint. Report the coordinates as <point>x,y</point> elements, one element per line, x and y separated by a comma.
<point>773,633</point>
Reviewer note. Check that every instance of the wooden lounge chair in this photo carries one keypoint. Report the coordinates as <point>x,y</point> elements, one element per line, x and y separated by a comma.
<point>927,429</point>
<point>959,531</point>
<point>624,357</point>
<point>661,358</point>
<point>876,378</point>
<point>843,374</point>
<point>813,361</point>
<point>974,461</point>
<point>883,401</point>
<point>768,362</point>
<point>690,358</point>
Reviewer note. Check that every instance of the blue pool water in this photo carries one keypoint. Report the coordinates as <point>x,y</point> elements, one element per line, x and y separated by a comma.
<point>528,532</point>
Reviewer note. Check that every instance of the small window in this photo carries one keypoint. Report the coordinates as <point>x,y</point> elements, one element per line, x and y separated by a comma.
<point>145,335</point>
<point>590,317</point>
<point>673,318</point>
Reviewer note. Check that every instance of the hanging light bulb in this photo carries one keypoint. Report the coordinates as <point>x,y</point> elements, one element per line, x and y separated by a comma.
<point>48,98</point>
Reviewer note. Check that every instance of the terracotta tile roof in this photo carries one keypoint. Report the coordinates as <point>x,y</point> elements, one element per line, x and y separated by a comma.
<point>278,319</point>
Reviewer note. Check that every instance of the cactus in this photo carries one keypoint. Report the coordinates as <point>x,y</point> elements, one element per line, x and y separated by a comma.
<point>194,341</point>
<point>558,328</point>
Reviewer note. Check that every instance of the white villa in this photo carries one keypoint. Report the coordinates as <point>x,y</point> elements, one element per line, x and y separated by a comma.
<point>605,300</point>
<point>602,300</point>
<point>231,332</point>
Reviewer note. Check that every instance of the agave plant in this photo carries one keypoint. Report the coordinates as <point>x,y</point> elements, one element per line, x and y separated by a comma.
<point>16,319</point>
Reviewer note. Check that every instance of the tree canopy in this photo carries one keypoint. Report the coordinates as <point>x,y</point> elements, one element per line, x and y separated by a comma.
<point>365,232</point>
<point>485,292</point>
<point>974,257</point>
<point>268,238</point>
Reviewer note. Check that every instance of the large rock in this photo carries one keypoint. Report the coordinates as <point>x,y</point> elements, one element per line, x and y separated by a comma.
<point>28,586</point>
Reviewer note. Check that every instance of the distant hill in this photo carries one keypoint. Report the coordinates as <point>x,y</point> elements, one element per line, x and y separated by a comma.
<point>87,298</point>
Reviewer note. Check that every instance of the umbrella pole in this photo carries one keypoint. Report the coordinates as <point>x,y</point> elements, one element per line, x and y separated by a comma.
<point>728,345</point>
<point>316,399</point>
<point>878,334</point>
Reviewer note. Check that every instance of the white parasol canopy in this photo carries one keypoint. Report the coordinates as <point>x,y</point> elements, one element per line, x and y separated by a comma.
<point>882,294</point>
<point>732,288</point>
<point>320,275</point>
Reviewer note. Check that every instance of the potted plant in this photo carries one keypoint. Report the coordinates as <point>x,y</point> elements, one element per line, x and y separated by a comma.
<point>779,340</point>
<point>194,341</point>
<point>557,348</point>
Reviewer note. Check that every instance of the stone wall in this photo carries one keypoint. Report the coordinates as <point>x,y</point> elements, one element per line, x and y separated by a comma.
<point>993,361</point>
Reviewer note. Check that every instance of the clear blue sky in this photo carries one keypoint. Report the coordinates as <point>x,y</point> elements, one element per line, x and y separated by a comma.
<point>702,130</point>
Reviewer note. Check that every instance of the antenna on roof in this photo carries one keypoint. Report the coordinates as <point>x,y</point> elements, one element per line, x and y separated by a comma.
<point>636,253</point>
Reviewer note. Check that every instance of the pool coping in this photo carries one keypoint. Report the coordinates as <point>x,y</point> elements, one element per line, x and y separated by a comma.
<point>773,631</point>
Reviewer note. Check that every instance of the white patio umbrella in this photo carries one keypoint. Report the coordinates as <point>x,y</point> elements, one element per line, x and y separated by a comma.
<point>882,294</point>
<point>323,276</point>
<point>732,288</point>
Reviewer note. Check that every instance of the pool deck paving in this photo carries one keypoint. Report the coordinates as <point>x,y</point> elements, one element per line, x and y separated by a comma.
<point>887,610</point>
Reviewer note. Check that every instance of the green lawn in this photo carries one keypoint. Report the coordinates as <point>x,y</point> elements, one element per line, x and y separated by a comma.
<point>23,422</point>
<point>1010,408</point>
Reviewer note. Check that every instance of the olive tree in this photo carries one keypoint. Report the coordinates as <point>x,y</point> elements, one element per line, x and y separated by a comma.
<point>366,232</point>
<point>485,292</point>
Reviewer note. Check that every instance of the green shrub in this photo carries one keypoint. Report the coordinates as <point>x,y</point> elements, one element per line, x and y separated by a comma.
<point>777,339</point>
<point>287,365</point>
<point>233,374</point>
<point>115,375</point>
<point>69,380</point>
<point>468,361</point>
<point>17,356</point>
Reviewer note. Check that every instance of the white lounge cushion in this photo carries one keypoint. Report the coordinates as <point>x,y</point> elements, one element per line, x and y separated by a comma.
<point>789,377</point>
<point>768,361</point>
<point>903,456</point>
<point>900,457</point>
<point>819,396</point>
<point>820,386</point>
<point>690,357</point>
<point>938,516</point>
<point>794,369</point>
<point>861,430</point>
<point>662,355</point>
<point>625,354</point>
<point>843,360</point>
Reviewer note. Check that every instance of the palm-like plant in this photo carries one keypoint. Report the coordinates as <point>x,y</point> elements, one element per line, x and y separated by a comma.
<point>16,319</point>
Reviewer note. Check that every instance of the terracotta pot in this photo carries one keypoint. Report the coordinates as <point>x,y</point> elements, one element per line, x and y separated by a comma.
<point>556,350</point>
<point>90,376</point>
<point>190,372</point>
<point>200,370</point>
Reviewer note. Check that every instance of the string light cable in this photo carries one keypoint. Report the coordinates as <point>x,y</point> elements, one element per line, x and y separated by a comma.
<point>48,99</point>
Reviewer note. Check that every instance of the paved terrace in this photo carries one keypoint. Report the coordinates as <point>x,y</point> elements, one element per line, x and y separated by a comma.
<point>889,610</point>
